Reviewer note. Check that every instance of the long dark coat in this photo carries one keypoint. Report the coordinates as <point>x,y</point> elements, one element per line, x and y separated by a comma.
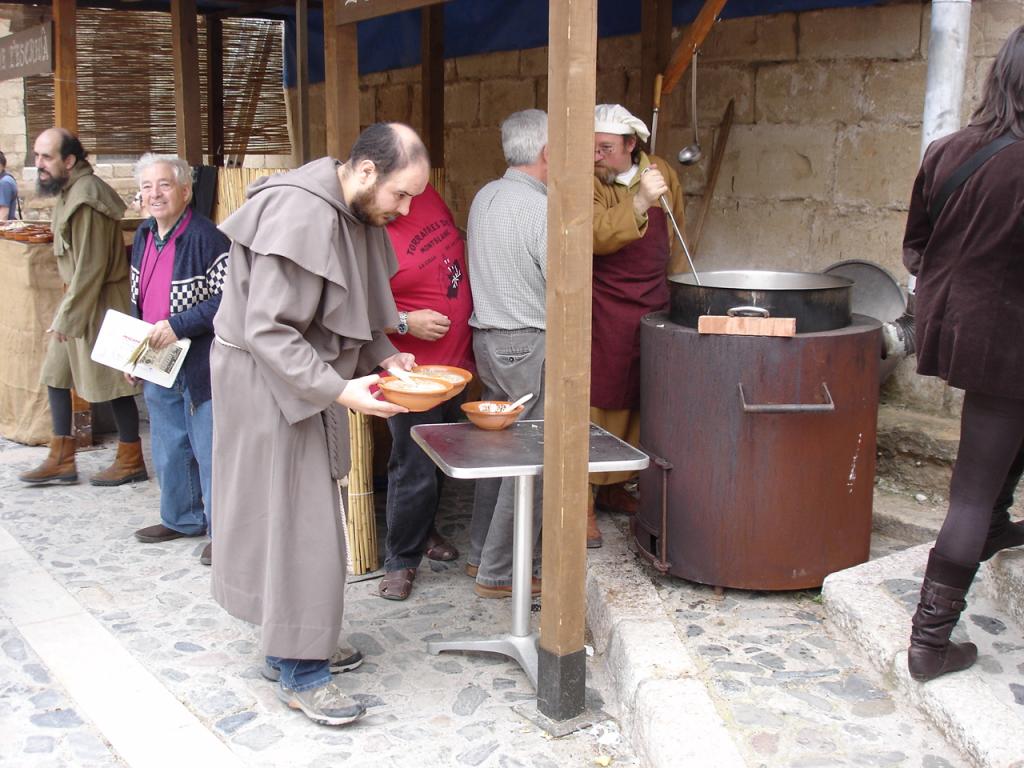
<point>970,268</point>
<point>305,304</point>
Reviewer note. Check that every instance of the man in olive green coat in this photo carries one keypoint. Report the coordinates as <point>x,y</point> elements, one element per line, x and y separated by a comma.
<point>91,259</point>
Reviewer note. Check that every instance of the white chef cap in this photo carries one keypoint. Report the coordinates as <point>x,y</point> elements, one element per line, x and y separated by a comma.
<point>614,118</point>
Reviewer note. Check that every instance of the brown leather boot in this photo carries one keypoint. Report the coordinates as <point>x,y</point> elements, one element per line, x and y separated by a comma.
<point>594,538</point>
<point>59,465</point>
<point>128,466</point>
<point>931,654</point>
<point>615,498</point>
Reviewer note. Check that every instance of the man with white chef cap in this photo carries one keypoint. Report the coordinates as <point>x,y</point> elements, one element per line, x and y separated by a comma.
<point>634,250</point>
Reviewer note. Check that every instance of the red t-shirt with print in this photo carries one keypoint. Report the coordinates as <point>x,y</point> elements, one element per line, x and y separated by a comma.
<point>432,274</point>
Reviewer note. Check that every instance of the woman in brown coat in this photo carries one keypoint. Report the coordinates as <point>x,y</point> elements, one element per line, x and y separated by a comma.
<point>969,263</point>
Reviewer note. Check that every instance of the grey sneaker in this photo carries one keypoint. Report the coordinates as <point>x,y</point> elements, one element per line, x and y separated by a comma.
<point>326,705</point>
<point>343,660</point>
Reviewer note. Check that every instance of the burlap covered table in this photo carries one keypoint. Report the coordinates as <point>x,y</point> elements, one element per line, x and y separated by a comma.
<point>30,290</point>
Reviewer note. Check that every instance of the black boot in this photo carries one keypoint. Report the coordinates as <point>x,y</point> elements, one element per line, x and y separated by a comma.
<point>931,654</point>
<point>1002,534</point>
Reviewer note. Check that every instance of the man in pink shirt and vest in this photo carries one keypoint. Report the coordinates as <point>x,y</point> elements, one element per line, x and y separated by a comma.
<point>179,261</point>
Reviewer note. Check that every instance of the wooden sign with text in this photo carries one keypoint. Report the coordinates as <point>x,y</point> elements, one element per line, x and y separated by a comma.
<point>29,52</point>
<point>349,11</point>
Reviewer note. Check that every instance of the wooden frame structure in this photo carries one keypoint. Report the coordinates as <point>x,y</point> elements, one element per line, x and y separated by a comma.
<point>572,76</point>
<point>572,66</point>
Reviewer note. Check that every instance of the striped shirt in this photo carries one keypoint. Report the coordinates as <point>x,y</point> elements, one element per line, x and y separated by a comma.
<point>508,263</point>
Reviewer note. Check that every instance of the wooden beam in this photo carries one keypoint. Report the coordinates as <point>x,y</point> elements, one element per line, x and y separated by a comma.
<point>215,91</point>
<point>348,12</point>
<point>65,73</point>
<point>709,187</point>
<point>251,97</point>
<point>341,84</point>
<point>186,81</point>
<point>572,76</point>
<point>432,82</point>
<point>693,38</point>
<point>302,150</point>
<point>655,48</point>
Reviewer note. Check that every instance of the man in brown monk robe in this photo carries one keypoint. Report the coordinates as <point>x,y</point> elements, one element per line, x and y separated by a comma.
<point>300,329</point>
<point>632,244</point>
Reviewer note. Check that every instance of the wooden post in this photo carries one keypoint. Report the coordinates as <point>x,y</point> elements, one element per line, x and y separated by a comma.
<point>692,39</point>
<point>341,83</point>
<point>65,72</point>
<point>655,48</point>
<point>432,81</point>
<point>572,53</point>
<point>186,81</point>
<point>215,90</point>
<point>302,151</point>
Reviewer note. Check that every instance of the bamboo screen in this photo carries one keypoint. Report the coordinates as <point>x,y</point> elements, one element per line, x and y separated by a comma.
<point>126,86</point>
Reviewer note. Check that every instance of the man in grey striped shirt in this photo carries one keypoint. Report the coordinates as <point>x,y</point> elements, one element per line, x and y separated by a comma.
<point>507,237</point>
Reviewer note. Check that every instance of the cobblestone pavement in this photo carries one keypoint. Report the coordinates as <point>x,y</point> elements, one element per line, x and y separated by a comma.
<point>449,710</point>
<point>788,690</point>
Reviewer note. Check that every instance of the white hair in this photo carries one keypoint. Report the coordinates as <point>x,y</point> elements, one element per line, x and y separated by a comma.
<point>182,170</point>
<point>523,135</point>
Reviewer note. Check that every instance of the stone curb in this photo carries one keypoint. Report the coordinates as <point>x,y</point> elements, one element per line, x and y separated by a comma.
<point>961,705</point>
<point>1006,572</point>
<point>664,705</point>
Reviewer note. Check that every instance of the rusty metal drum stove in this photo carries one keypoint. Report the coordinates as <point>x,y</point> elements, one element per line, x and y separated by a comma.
<point>762,453</point>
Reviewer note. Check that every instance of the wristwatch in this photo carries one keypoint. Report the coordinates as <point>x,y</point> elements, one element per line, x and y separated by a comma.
<point>403,323</point>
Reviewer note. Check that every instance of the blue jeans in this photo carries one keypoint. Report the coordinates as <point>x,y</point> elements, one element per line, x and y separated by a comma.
<point>182,436</point>
<point>302,674</point>
<point>414,486</point>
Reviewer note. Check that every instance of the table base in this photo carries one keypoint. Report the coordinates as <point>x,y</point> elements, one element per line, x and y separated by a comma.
<point>523,649</point>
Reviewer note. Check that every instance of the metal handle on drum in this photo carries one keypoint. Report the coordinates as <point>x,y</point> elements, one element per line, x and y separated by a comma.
<point>748,312</point>
<point>827,406</point>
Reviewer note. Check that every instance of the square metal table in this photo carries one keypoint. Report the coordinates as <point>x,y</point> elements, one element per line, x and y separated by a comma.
<point>466,451</point>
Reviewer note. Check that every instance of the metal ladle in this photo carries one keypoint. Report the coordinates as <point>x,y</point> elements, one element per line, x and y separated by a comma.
<point>692,153</point>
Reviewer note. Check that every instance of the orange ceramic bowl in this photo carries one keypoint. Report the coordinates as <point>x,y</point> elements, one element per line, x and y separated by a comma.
<point>457,377</point>
<point>487,420</point>
<point>421,395</point>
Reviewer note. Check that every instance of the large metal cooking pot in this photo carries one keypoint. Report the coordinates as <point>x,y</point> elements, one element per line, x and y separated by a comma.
<point>818,302</point>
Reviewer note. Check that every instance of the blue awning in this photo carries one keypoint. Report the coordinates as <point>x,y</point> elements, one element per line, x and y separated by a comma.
<point>486,26</point>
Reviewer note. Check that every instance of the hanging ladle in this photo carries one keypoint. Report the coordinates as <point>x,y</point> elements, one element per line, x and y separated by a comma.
<point>692,153</point>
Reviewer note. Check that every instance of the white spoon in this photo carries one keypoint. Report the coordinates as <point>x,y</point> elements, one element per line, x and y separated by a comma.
<point>400,374</point>
<point>517,403</point>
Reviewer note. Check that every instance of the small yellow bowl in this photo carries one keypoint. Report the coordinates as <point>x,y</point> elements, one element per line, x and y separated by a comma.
<point>421,395</point>
<point>457,377</point>
<point>488,420</point>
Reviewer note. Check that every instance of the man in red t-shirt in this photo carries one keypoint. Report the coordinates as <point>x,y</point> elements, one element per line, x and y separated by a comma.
<point>431,290</point>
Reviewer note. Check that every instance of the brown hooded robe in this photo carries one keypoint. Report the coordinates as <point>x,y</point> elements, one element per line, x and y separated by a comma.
<point>305,305</point>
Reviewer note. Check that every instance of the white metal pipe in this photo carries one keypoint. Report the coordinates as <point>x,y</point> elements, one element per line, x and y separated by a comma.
<point>947,65</point>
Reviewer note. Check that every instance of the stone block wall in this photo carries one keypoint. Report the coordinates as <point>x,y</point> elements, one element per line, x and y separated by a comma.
<point>822,155</point>
<point>823,151</point>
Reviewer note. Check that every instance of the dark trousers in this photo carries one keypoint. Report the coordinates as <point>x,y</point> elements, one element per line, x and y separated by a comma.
<point>414,486</point>
<point>989,464</point>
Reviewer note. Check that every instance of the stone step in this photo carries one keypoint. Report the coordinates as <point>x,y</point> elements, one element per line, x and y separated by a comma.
<point>916,450</point>
<point>980,710</point>
<point>1006,586</point>
<point>904,515</point>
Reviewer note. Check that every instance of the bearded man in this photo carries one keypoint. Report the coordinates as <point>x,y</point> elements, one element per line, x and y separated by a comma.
<point>633,242</point>
<point>91,259</point>
<point>301,326</point>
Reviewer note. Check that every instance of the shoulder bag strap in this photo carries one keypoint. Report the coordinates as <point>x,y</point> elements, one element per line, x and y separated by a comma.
<point>961,174</point>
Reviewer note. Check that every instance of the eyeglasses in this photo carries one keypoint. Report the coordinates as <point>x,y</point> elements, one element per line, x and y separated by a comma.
<point>606,149</point>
